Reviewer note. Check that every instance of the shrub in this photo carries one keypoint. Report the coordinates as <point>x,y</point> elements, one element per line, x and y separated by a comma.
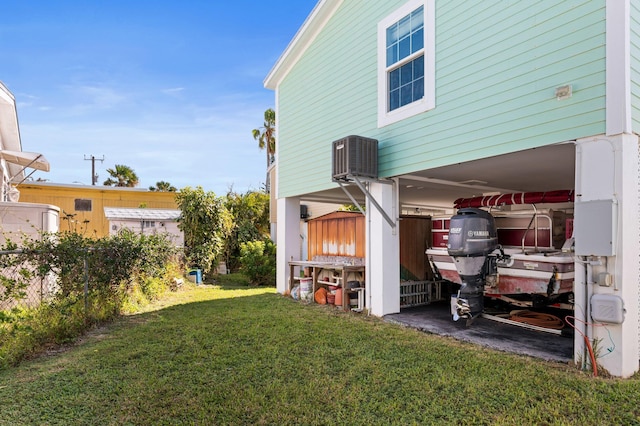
<point>121,272</point>
<point>25,331</point>
<point>250,222</point>
<point>258,261</point>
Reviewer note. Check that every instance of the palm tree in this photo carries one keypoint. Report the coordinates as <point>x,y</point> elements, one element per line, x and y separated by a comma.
<point>266,135</point>
<point>163,186</point>
<point>121,175</point>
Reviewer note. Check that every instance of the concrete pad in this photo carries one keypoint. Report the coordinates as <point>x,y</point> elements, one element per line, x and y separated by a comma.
<point>436,319</point>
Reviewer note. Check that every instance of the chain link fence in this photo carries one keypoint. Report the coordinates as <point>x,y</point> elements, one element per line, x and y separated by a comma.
<point>30,277</point>
<point>21,283</point>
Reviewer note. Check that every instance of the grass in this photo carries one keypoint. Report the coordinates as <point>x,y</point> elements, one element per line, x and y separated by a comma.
<point>236,279</point>
<point>238,355</point>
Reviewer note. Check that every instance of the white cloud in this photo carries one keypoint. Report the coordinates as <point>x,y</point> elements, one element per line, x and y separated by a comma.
<point>173,91</point>
<point>101,97</point>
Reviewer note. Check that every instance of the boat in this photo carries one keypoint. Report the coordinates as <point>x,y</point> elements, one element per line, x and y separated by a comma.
<point>536,265</point>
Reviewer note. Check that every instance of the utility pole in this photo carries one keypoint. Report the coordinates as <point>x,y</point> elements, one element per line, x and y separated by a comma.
<point>94,176</point>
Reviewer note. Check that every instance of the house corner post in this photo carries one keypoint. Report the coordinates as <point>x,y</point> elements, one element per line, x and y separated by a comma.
<point>287,239</point>
<point>383,255</point>
<point>607,174</point>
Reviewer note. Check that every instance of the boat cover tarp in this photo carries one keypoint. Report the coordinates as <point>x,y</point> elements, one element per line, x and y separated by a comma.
<point>560,196</point>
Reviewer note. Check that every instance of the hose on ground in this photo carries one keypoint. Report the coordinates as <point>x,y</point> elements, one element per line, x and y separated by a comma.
<point>538,319</point>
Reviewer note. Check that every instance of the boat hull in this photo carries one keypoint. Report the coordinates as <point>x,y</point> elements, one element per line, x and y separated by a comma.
<point>535,273</point>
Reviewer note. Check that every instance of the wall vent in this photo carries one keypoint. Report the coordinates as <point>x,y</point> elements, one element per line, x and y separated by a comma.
<point>355,156</point>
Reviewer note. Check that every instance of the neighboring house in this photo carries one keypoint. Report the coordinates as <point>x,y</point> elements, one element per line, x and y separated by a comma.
<point>82,206</point>
<point>466,99</point>
<point>145,221</point>
<point>19,219</point>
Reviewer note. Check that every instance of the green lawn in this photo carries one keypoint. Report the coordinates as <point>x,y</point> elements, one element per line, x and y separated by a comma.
<point>212,355</point>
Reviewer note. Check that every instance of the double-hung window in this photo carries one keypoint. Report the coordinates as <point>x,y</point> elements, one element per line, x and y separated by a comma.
<point>406,68</point>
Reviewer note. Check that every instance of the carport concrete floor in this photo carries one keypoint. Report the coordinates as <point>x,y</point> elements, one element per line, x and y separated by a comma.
<point>436,319</point>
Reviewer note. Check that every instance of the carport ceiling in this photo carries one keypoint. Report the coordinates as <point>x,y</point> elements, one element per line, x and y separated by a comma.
<point>546,168</point>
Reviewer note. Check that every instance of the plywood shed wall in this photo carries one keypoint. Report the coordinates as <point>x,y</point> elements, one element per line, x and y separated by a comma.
<point>415,235</point>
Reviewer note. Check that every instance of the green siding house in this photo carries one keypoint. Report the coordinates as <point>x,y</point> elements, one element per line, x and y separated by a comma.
<point>468,99</point>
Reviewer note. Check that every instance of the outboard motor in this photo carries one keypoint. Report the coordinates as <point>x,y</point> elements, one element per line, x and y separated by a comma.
<point>472,238</point>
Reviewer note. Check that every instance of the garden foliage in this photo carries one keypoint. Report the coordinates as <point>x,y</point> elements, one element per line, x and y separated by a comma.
<point>89,282</point>
<point>205,222</point>
<point>258,261</point>
<point>250,222</point>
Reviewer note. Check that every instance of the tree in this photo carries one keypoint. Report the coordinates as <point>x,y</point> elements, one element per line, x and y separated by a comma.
<point>121,175</point>
<point>266,135</point>
<point>163,186</point>
<point>250,222</point>
<point>205,223</point>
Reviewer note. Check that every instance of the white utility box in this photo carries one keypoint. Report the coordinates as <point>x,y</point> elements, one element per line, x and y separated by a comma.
<point>594,227</point>
<point>607,308</point>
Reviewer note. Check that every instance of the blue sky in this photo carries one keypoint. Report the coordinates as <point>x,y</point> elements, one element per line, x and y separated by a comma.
<point>171,89</point>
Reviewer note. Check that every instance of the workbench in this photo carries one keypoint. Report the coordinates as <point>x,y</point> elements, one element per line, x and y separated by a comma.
<point>316,268</point>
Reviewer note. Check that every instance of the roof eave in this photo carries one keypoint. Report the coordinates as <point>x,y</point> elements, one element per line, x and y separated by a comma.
<point>9,127</point>
<point>311,27</point>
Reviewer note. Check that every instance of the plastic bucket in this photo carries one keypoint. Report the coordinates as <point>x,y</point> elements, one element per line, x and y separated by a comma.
<point>195,276</point>
<point>338,301</point>
<point>331,299</point>
<point>306,288</point>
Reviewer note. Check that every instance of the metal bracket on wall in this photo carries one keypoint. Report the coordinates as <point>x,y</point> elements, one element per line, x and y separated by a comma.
<point>359,184</point>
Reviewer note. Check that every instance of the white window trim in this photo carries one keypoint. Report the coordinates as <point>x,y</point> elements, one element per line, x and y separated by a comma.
<point>428,102</point>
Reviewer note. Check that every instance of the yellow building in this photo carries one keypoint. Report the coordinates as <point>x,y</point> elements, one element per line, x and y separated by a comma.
<point>82,206</point>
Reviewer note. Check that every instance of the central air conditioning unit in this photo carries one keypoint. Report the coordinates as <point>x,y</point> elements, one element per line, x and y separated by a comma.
<point>355,156</point>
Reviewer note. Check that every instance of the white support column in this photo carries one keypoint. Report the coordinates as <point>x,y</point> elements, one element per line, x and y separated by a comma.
<point>607,168</point>
<point>618,67</point>
<point>383,252</point>
<point>287,239</point>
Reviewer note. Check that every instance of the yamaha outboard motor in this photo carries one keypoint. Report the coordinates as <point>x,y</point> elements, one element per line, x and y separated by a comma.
<point>472,238</point>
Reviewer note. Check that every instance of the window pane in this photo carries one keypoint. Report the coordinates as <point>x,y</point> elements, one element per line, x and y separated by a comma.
<point>392,55</point>
<point>406,95</point>
<point>405,47</point>
<point>392,34</point>
<point>417,40</point>
<point>418,68</point>
<point>418,89</point>
<point>394,99</point>
<point>417,18</point>
<point>404,26</point>
<point>394,79</point>
<point>406,73</point>
<point>82,205</point>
